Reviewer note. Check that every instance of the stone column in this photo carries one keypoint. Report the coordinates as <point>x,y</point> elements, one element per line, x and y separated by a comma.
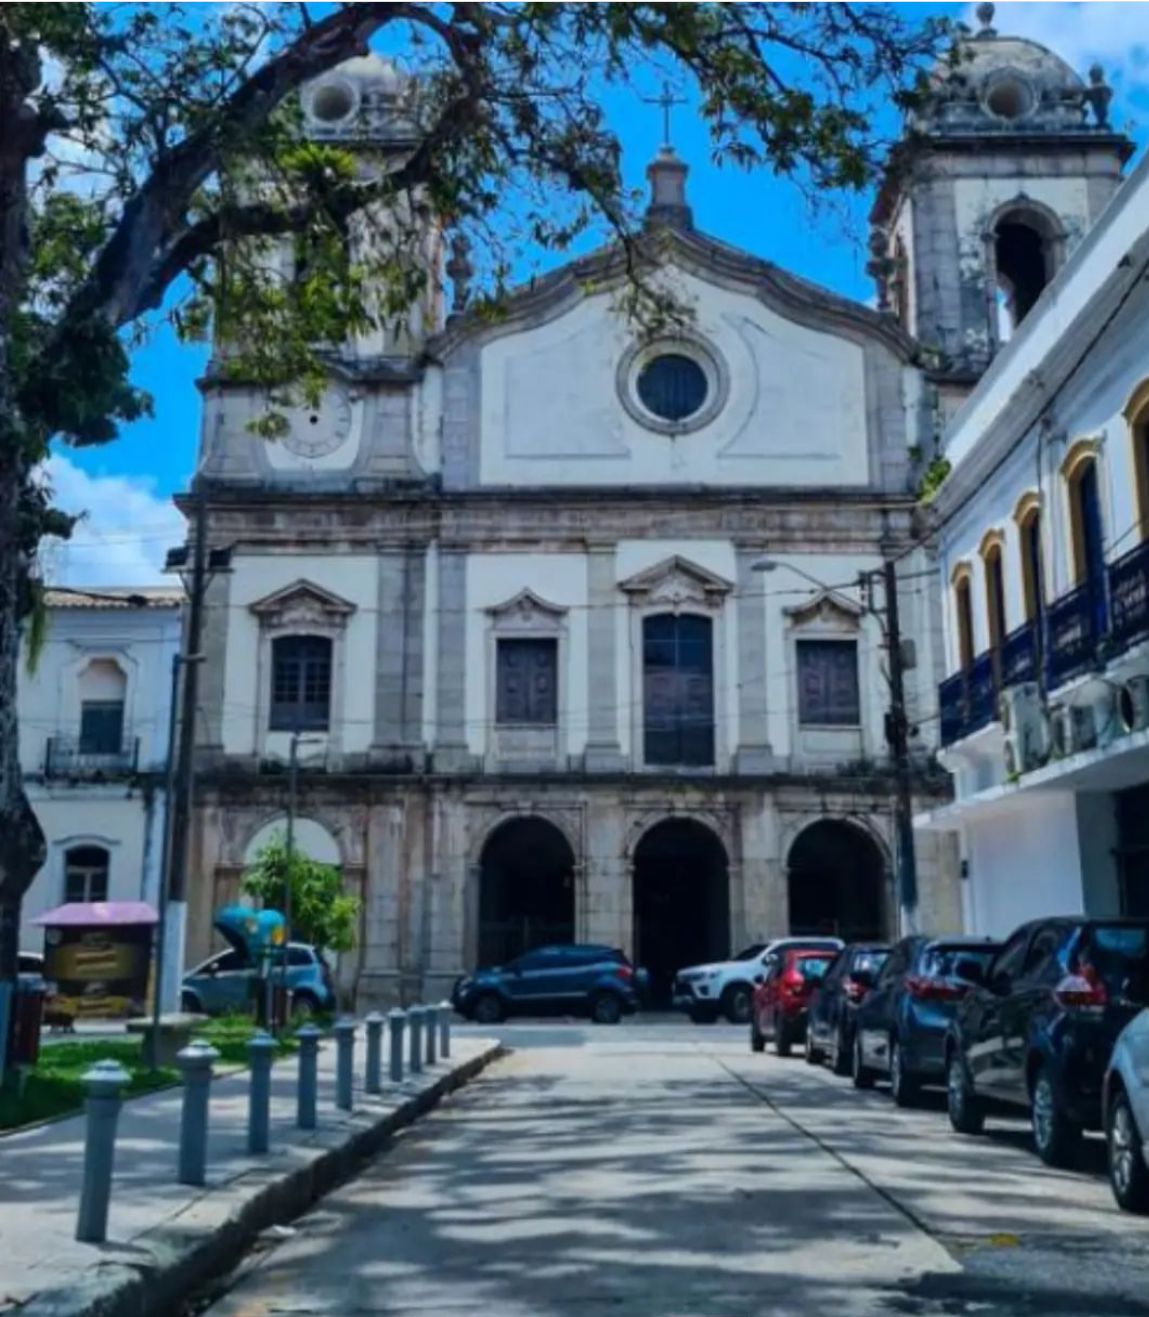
<point>606,874</point>
<point>754,753</point>
<point>451,754</point>
<point>399,656</point>
<point>209,730</point>
<point>603,753</point>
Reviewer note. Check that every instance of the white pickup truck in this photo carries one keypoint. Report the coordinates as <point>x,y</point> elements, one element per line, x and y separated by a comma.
<point>705,992</point>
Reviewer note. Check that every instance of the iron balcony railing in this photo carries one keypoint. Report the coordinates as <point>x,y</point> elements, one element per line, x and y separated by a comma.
<point>1020,656</point>
<point>968,700</point>
<point>69,756</point>
<point>1074,626</point>
<point>1129,598</point>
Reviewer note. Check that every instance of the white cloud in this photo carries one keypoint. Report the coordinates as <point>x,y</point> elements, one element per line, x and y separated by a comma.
<point>125,533</point>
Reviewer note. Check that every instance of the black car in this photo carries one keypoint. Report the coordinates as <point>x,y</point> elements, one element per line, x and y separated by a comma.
<point>575,979</point>
<point>1038,1033</point>
<point>900,1030</point>
<point>830,1024</point>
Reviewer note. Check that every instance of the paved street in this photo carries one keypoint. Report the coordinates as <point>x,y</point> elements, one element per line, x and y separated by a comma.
<point>659,1169</point>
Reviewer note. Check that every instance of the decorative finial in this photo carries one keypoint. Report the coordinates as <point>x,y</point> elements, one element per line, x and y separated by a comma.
<point>667,101</point>
<point>985,14</point>
<point>1098,95</point>
<point>459,271</point>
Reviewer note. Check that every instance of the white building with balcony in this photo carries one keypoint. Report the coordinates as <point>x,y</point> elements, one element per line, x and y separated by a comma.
<point>94,715</point>
<point>1044,555</point>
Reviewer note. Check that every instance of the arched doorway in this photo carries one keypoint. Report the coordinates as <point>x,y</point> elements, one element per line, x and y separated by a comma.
<point>681,901</point>
<point>837,880</point>
<point>526,890</point>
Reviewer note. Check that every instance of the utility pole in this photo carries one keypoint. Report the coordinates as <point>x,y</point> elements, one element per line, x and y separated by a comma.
<point>899,748</point>
<point>181,800</point>
<point>165,868</point>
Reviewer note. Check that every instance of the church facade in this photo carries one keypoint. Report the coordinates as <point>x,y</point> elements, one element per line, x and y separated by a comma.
<point>563,621</point>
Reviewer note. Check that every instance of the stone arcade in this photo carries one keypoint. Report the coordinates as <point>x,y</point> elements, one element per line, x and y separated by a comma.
<point>502,584</point>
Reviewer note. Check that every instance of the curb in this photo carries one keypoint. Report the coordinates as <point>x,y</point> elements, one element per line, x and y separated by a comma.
<point>185,1255</point>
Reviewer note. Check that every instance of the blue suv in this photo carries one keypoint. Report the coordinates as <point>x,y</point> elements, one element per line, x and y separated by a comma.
<point>563,980</point>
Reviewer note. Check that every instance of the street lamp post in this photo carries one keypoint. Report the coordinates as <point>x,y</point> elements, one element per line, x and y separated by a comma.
<point>897,729</point>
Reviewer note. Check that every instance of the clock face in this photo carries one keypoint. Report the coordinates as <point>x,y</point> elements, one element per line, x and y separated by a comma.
<point>317,431</point>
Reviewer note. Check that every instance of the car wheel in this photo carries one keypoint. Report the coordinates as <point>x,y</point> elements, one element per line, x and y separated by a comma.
<point>782,1040</point>
<point>1056,1138</point>
<point>966,1113</point>
<point>736,1003</point>
<point>605,1008</point>
<point>488,1009</point>
<point>304,1005</point>
<point>843,1055</point>
<point>814,1053</point>
<point>1128,1174</point>
<point>903,1088</point>
<point>757,1041</point>
<point>861,1073</point>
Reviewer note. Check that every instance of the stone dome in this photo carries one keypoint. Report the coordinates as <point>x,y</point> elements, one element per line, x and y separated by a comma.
<point>367,99</point>
<point>992,82</point>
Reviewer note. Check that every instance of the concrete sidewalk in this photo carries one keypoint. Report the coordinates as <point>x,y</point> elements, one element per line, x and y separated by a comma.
<point>164,1236</point>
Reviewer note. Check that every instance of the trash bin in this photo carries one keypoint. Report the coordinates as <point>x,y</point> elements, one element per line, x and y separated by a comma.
<point>27,1021</point>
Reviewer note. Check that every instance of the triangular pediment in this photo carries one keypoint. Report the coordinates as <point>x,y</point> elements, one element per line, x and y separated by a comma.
<point>527,606</point>
<point>677,581</point>
<point>829,607</point>
<point>302,601</point>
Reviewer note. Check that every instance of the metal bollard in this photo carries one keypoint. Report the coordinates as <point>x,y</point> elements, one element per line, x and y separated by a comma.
<point>431,1028</point>
<point>415,1016</point>
<point>373,1079</point>
<point>104,1082</point>
<point>344,1063</point>
<point>305,1109</point>
<point>445,1009</point>
<point>260,1053</point>
<point>195,1062</point>
<point>396,1022</point>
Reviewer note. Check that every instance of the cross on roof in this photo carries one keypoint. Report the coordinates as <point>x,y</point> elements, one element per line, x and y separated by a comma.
<point>667,101</point>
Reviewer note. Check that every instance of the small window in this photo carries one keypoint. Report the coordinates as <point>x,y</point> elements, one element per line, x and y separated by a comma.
<point>101,727</point>
<point>995,597</point>
<point>828,683</point>
<point>86,874</point>
<point>527,683</point>
<point>1032,571</point>
<point>300,684</point>
<point>228,962</point>
<point>678,689</point>
<point>300,956</point>
<point>672,386</point>
<point>963,609</point>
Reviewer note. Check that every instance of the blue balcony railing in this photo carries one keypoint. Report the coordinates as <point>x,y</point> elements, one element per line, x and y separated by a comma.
<point>1074,626</point>
<point>968,700</point>
<point>1019,656</point>
<point>1129,597</point>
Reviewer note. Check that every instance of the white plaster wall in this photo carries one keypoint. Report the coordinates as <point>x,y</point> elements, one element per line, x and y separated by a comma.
<point>113,818</point>
<point>796,413</point>
<point>141,641</point>
<point>1023,863</point>
<point>495,578</point>
<point>308,837</point>
<point>353,577</point>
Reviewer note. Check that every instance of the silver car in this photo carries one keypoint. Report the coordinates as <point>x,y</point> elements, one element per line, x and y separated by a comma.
<point>1127,1116</point>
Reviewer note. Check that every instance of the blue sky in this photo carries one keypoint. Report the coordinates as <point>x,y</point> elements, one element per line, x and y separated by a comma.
<point>125,487</point>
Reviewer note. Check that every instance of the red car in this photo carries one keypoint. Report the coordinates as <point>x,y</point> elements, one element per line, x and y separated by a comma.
<point>782,998</point>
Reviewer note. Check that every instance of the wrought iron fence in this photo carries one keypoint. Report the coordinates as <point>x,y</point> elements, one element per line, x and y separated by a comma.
<point>68,756</point>
<point>1129,596</point>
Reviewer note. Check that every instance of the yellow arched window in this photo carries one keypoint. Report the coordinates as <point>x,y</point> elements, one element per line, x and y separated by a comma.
<point>963,614</point>
<point>1083,490</point>
<point>1027,515</point>
<point>1137,416</point>
<point>991,556</point>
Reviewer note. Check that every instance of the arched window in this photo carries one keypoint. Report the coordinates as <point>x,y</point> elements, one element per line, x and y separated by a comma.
<point>103,690</point>
<point>1028,518</point>
<point>963,615</point>
<point>994,591</point>
<point>1088,539</point>
<point>678,689</point>
<point>1137,414</point>
<point>300,684</point>
<point>86,873</point>
<point>1026,253</point>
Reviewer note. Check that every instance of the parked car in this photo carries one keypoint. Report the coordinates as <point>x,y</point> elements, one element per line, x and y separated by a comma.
<point>1126,1107</point>
<point>900,1031</point>
<point>1039,1032</point>
<point>835,1001</point>
<point>780,1001</point>
<point>226,982</point>
<point>725,988</point>
<point>576,979</point>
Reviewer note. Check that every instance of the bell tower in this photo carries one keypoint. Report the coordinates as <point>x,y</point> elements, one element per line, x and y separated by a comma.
<point>1006,163</point>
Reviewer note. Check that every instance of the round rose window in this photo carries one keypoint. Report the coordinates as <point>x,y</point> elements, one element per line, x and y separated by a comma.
<point>672,386</point>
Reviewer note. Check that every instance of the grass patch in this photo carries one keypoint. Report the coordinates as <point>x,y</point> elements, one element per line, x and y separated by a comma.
<point>54,1085</point>
<point>229,1035</point>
